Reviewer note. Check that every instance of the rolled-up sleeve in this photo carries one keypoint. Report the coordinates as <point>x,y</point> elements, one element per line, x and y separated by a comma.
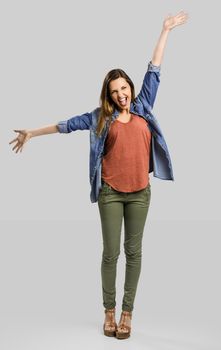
<point>62,126</point>
<point>153,68</point>
<point>78,122</point>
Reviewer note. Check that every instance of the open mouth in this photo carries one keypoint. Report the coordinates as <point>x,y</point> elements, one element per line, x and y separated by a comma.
<point>123,101</point>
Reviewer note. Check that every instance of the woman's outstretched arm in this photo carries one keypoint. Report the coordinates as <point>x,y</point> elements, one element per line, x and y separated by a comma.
<point>169,23</point>
<point>78,122</point>
<point>25,135</point>
<point>151,79</point>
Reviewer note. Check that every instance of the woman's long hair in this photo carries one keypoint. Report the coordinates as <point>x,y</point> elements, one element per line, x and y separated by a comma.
<point>107,105</point>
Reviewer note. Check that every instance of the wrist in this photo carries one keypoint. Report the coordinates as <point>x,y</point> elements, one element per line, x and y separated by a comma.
<point>31,133</point>
<point>165,30</point>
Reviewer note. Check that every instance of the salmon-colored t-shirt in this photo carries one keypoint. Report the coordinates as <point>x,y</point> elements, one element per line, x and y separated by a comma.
<point>125,163</point>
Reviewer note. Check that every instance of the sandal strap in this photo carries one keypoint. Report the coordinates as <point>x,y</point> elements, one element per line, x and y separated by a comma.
<point>112,321</point>
<point>123,325</point>
<point>127,313</point>
<point>109,311</point>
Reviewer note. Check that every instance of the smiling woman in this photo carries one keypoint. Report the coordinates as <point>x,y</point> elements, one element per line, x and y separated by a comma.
<point>117,93</point>
<point>126,144</point>
<point>120,92</point>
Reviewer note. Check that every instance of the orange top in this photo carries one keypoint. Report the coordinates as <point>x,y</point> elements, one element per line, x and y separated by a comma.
<point>125,164</point>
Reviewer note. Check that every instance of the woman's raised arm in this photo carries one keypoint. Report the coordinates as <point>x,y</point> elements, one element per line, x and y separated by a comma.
<point>169,23</point>
<point>151,79</point>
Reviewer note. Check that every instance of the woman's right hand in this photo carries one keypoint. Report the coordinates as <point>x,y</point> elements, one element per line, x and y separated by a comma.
<point>24,136</point>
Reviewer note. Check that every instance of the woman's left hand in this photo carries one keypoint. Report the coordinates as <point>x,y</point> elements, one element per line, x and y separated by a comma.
<point>172,21</point>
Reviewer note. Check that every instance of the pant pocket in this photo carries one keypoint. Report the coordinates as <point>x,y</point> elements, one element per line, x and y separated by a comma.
<point>148,188</point>
<point>106,188</point>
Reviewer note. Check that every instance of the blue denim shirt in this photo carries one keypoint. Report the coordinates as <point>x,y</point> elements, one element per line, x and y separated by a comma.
<point>160,161</point>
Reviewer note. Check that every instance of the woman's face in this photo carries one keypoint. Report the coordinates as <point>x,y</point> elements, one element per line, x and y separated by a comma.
<point>120,93</point>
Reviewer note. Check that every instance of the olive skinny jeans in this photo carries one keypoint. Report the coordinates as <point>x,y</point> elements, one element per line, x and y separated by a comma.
<point>113,207</point>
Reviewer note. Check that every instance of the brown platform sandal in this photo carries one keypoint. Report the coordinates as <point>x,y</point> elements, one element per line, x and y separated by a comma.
<point>111,323</point>
<point>122,324</point>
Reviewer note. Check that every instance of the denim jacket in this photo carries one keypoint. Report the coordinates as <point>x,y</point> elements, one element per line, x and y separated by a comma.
<point>160,161</point>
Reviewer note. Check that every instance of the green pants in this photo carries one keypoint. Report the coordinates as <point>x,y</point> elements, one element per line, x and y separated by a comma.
<point>113,207</point>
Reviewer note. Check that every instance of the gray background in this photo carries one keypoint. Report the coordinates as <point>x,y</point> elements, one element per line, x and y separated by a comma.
<point>54,56</point>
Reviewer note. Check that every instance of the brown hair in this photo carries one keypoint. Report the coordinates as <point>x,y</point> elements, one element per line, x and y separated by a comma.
<point>107,105</point>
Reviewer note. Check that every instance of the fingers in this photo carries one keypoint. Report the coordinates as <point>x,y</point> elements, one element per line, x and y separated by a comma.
<point>18,145</point>
<point>16,137</point>
<point>181,18</point>
<point>20,140</point>
<point>19,148</point>
<point>15,146</point>
<point>182,15</point>
<point>181,21</point>
<point>173,21</point>
<point>13,141</point>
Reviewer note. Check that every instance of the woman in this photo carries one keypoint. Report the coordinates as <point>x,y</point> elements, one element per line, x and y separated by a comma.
<point>126,144</point>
